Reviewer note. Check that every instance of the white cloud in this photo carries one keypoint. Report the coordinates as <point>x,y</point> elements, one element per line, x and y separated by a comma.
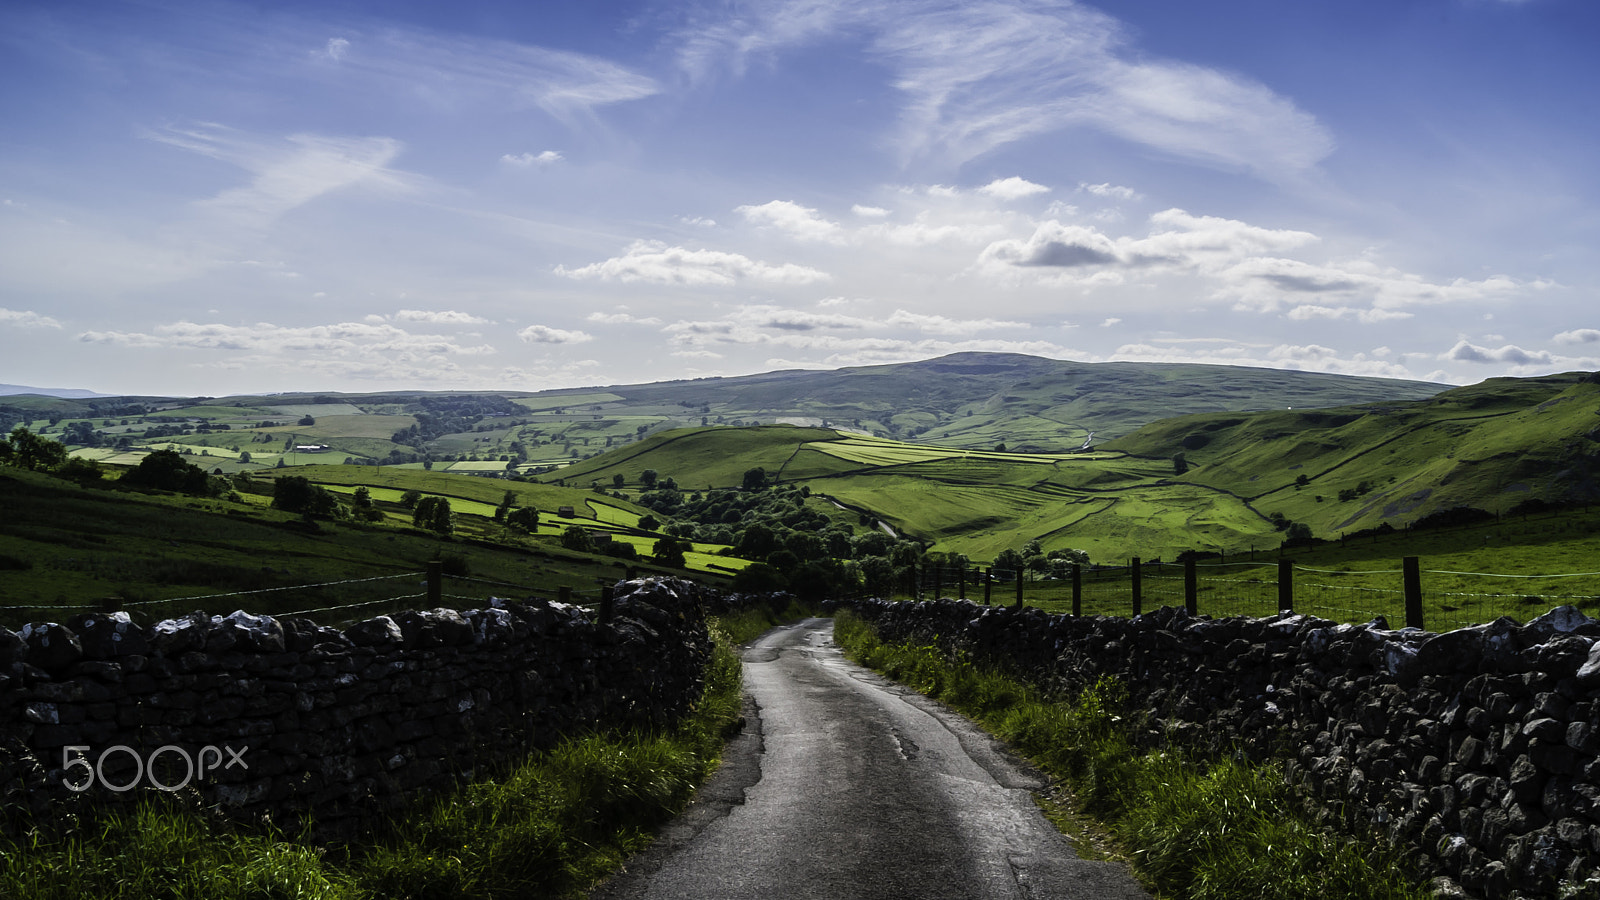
<point>440,317</point>
<point>934,324</point>
<point>1578,336</point>
<point>1013,188</point>
<point>799,222</point>
<point>869,212</point>
<point>1112,320</point>
<point>698,221</point>
<point>526,160</point>
<point>655,262</point>
<point>620,318</point>
<point>360,341</point>
<point>1306,357</point>
<point>26,318</point>
<point>544,334</point>
<point>1465,351</point>
<point>1366,316</point>
<point>1112,191</point>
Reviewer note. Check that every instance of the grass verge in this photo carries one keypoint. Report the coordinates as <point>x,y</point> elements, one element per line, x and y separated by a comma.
<point>1191,829</point>
<point>549,827</point>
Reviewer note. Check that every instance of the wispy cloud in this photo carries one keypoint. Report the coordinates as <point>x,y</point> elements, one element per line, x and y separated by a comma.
<point>655,262</point>
<point>26,318</point>
<point>977,76</point>
<point>544,334</point>
<point>527,160</point>
<point>290,172</point>
<point>355,351</point>
<point>440,317</point>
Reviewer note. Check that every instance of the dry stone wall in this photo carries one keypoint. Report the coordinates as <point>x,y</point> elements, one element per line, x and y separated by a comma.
<point>1476,747</point>
<point>293,721</point>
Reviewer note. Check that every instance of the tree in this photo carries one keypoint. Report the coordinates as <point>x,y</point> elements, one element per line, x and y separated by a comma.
<point>433,513</point>
<point>1180,464</point>
<point>362,498</point>
<point>1299,533</point>
<point>244,456</point>
<point>526,518</point>
<point>576,537</point>
<point>668,551</point>
<point>618,481</point>
<point>647,479</point>
<point>410,499</point>
<point>167,470</point>
<point>648,523</point>
<point>1008,562</point>
<point>307,420</point>
<point>81,470</point>
<point>27,450</point>
<point>296,494</point>
<point>755,479</point>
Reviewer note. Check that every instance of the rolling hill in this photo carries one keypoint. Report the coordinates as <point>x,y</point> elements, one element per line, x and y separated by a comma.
<point>969,400</point>
<point>1492,446</point>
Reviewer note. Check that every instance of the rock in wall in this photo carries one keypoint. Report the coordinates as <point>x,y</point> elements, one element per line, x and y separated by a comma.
<point>295,722</point>
<point>1476,747</point>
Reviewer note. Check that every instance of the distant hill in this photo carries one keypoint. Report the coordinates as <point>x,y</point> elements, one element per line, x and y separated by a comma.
<point>10,390</point>
<point>1026,402</point>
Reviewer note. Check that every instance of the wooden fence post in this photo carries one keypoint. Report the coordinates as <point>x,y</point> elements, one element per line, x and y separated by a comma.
<point>1411,577</point>
<point>1286,585</point>
<point>435,583</point>
<point>1077,589</point>
<point>988,585</point>
<point>1018,575</point>
<point>1191,587</point>
<point>606,598</point>
<point>1137,586</point>
<point>564,594</point>
<point>938,580</point>
<point>961,581</point>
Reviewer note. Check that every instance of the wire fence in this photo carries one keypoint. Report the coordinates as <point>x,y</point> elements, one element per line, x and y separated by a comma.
<point>1406,595</point>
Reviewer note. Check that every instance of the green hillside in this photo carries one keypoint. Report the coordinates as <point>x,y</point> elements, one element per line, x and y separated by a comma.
<point>67,548</point>
<point>1492,446</point>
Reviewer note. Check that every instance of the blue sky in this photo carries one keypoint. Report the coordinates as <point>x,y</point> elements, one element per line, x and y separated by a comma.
<point>215,197</point>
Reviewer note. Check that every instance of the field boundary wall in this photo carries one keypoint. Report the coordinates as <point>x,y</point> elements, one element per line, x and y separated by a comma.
<point>290,721</point>
<point>1475,747</point>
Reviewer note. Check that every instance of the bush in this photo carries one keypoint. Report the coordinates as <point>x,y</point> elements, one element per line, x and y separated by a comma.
<point>166,470</point>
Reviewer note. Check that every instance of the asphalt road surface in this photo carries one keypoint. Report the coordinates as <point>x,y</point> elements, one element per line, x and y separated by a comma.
<point>846,785</point>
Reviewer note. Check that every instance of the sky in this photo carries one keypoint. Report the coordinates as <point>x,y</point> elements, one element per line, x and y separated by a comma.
<point>214,198</point>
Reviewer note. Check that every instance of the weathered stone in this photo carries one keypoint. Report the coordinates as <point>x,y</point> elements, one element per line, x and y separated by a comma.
<point>109,635</point>
<point>375,632</point>
<point>51,645</point>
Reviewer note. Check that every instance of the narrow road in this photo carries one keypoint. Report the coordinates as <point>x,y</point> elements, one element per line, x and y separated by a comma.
<point>845,785</point>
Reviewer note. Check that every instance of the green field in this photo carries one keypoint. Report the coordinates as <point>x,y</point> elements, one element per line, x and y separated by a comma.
<point>66,549</point>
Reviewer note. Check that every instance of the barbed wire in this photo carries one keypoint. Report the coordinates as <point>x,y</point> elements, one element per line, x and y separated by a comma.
<point>491,582</point>
<point>1349,587</point>
<point>1494,575</point>
<point>292,587</point>
<point>1349,571</point>
<point>302,612</point>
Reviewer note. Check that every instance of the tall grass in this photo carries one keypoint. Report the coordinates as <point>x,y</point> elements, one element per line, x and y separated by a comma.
<point>548,827</point>
<point>1192,829</point>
